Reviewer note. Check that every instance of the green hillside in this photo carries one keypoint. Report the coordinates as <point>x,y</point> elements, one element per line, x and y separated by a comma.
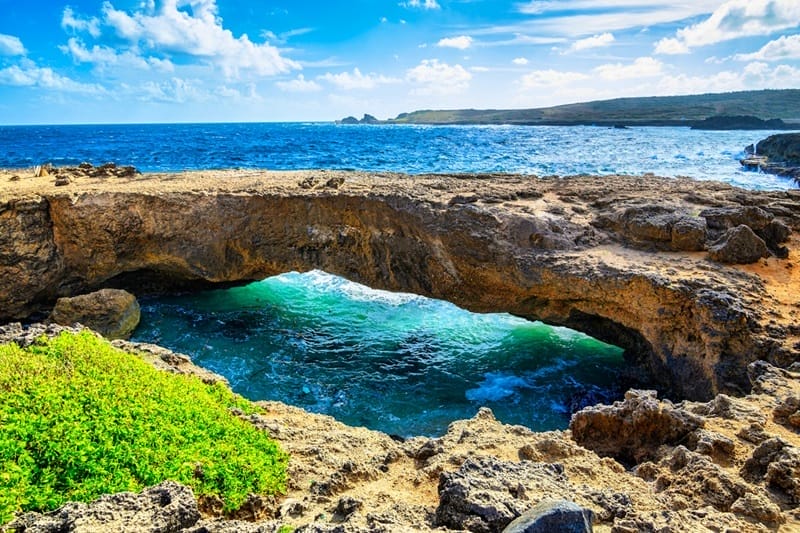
<point>656,110</point>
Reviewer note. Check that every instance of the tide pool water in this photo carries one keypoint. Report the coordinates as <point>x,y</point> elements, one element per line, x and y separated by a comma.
<point>539,150</point>
<point>399,363</point>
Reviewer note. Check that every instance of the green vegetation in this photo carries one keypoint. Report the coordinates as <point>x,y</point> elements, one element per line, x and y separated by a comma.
<point>663,110</point>
<point>80,418</point>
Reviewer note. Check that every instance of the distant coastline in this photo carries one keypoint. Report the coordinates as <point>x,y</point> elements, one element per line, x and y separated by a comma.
<point>744,110</point>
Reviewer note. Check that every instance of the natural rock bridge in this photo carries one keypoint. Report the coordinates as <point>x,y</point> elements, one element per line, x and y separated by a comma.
<point>620,258</point>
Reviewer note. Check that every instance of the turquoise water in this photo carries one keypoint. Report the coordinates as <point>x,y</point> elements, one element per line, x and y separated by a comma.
<point>399,363</point>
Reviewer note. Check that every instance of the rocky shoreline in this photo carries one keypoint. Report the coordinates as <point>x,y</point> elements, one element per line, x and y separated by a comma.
<point>696,280</point>
<point>642,464</point>
<point>777,154</point>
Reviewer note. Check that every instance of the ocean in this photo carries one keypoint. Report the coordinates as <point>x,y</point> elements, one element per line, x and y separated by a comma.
<point>534,150</point>
<point>398,363</point>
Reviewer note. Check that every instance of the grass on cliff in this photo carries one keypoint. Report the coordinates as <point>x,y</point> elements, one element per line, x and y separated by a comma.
<point>80,418</point>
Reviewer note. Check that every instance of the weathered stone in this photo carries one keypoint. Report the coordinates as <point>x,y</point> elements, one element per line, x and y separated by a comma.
<point>631,430</point>
<point>738,245</point>
<point>689,234</point>
<point>759,508</point>
<point>725,218</point>
<point>486,494</point>
<point>61,181</point>
<point>551,516</point>
<point>165,508</point>
<point>113,313</point>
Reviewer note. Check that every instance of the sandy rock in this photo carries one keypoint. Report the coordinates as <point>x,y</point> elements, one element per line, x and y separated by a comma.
<point>631,430</point>
<point>485,495</point>
<point>554,515</point>
<point>165,508</point>
<point>689,234</point>
<point>113,313</point>
<point>739,245</point>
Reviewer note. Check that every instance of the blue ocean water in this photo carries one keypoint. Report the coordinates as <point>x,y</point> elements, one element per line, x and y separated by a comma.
<point>539,150</point>
<point>399,363</point>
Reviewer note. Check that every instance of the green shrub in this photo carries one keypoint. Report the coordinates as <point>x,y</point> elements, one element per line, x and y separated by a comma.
<point>80,418</point>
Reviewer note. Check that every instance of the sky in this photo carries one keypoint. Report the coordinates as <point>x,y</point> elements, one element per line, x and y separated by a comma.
<point>138,61</point>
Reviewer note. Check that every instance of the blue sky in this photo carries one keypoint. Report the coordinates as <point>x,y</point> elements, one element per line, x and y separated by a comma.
<point>95,61</point>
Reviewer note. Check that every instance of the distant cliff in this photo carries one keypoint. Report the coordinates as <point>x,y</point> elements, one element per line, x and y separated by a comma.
<point>766,109</point>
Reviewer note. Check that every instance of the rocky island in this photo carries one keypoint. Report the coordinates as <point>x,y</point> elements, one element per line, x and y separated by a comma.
<point>697,281</point>
<point>777,154</point>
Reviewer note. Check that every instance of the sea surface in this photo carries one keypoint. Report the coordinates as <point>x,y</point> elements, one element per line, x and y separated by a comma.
<point>536,150</point>
<point>399,363</point>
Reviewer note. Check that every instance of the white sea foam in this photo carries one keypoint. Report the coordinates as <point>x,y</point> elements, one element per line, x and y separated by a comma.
<point>496,386</point>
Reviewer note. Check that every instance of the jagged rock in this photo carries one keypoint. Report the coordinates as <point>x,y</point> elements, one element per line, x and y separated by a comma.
<point>61,181</point>
<point>166,508</point>
<point>788,411</point>
<point>553,515</point>
<point>725,218</point>
<point>777,463</point>
<point>739,245</point>
<point>346,506</point>
<point>631,430</point>
<point>486,494</point>
<point>711,443</point>
<point>113,313</point>
<point>759,508</point>
<point>689,234</point>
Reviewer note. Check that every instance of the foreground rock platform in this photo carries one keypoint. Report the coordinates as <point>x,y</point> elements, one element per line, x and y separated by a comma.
<point>730,464</point>
<point>621,258</point>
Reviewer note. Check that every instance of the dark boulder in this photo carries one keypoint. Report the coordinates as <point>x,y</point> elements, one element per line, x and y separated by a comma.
<point>551,516</point>
<point>739,245</point>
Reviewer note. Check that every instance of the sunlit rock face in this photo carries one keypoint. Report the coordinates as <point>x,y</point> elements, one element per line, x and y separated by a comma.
<point>600,255</point>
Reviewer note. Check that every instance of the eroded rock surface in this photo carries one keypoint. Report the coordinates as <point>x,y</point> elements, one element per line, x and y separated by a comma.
<point>585,252</point>
<point>481,474</point>
<point>114,313</point>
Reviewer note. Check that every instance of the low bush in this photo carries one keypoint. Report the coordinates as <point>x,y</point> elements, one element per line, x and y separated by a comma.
<point>80,418</point>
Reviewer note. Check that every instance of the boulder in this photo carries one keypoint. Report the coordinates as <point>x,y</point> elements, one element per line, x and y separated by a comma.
<point>631,430</point>
<point>487,494</point>
<point>739,245</point>
<point>554,515</point>
<point>689,234</point>
<point>165,508</point>
<point>113,313</point>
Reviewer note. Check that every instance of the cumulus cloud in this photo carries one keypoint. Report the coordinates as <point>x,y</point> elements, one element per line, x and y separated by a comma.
<point>784,47</point>
<point>11,46</point>
<point>462,42</point>
<point>435,77</point>
<point>520,61</point>
<point>172,91</point>
<point>421,4</point>
<point>551,78</point>
<point>199,34</point>
<point>732,20</point>
<point>756,75</point>
<point>596,41</point>
<point>71,22</point>
<point>104,56</point>
<point>642,67</point>
<point>356,80</point>
<point>28,74</point>
<point>299,85</point>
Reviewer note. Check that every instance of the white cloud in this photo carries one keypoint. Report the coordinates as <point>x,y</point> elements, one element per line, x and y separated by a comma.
<point>551,78</point>
<point>754,76</point>
<point>642,67</point>
<point>784,47</point>
<point>423,4</point>
<point>734,19</point>
<point>28,74</point>
<point>199,35</point>
<point>70,22</point>
<point>596,41</point>
<point>172,91</point>
<point>671,46</point>
<point>356,80</point>
<point>587,17</point>
<point>438,78</point>
<point>462,42</point>
<point>520,61</point>
<point>11,46</point>
<point>299,85</point>
<point>104,56</point>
